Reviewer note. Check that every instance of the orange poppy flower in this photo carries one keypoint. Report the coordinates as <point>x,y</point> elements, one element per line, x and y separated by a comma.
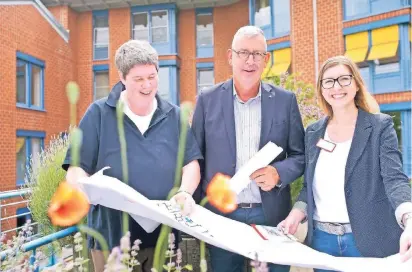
<point>68,205</point>
<point>220,195</point>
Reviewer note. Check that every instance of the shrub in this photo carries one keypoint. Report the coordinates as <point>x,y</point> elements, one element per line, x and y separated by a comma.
<point>310,112</point>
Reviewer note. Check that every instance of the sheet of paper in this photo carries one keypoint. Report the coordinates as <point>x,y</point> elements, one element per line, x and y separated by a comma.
<point>226,233</point>
<point>261,159</point>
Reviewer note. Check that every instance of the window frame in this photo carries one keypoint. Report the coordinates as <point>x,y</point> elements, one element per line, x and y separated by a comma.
<point>405,113</point>
<point>204,66</point>
<point>204,51</point>
<point>403,48</point>
<point>101,68</point>
<point>150,26</point>
<point>270,29</point>
<point>28,135</point>
<point>30,61</point>
<point>105,14</point>
<point>402,4</point>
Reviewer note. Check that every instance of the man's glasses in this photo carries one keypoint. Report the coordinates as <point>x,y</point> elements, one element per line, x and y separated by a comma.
<point>244,55</point>
<point>343,81</point>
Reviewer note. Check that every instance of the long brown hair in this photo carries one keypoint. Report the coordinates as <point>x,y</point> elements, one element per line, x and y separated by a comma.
<point>363,99</point>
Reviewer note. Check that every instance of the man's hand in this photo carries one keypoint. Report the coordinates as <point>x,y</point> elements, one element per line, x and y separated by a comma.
<point>184,201</point>
<point>266,178</point>
<point>405,247</point>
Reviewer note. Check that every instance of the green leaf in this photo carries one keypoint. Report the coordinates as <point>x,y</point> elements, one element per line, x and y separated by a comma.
<point>188,267</point>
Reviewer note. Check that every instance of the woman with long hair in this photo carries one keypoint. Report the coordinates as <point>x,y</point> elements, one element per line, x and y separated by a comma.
<point>356,196</point>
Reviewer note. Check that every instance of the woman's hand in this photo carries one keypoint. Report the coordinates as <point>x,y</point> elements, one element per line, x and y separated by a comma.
<point>291,223</point>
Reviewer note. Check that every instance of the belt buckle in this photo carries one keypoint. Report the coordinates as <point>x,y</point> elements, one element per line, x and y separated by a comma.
<point>339,228</point>
<point>247,205</point>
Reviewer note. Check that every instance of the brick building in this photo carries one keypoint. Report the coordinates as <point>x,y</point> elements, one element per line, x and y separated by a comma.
<point>46,43</point>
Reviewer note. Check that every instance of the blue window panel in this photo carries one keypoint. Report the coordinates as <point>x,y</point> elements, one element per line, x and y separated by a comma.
<point>205,78</point>
<point>378,6</point>
<point>159,30</point>
<point>354,9</point>
<point>204,33</point>
<point>29,82</point>
<point>272,16</point>
<point>281,17</point>
<point>101,53</point>
<point>387,83</point>
<point>365,74</point>
<point>101,85</point>
<point>405,53</point>
<point>168,88</point>
<point>205,51</point>
<point>406,142</point>
<point>28,145</point>
<point>100,34</point>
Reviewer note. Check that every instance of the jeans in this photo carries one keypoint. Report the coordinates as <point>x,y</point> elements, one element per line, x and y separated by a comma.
<point>335,245</point>
<point>225,261</point>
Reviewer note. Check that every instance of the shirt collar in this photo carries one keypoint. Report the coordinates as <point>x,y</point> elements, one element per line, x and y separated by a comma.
<point>163,106</point>
<point>259,94</point>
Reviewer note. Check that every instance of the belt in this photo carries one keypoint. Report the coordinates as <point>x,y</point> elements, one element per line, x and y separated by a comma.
<point>333,228</point>
<point>249,205</point>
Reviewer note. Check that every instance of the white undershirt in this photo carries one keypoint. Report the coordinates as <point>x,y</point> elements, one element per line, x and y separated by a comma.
<point>141,122</point>
<point>328,184</point>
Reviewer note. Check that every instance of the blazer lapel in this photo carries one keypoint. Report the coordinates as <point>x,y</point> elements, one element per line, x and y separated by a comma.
<point>361,135</point>
<point>314,134</point>
<point>268,110</point>
<point>226,96</point>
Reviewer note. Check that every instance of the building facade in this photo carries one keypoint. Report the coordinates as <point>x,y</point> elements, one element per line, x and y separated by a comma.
<point>44,44</point>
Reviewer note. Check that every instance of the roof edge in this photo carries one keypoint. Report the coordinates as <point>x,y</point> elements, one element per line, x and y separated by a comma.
<point>43,10</point>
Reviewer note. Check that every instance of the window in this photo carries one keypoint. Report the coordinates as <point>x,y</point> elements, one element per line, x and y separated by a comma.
<point>101,84</point>
<point>141,26</point>
<point>164,83</point>
<point>262,13</point>
<point>204,33</point>
<point>205,78</point>
<point>401,114</point>
<point>28,148</point>
<point>272,16</point>
<point>152,26</point>
<point>362,8</point>
<point>29,82</point>
<point>382,53</point>
<point>278,64</point>
<point>100,35</point>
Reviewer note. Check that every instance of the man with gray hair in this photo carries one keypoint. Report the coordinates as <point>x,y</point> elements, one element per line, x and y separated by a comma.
<point>236,118</point>
<point>152,130</point>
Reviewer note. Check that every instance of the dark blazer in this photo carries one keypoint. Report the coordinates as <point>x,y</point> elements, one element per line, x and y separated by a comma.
<point>375,184</point>
<point>214,128</point>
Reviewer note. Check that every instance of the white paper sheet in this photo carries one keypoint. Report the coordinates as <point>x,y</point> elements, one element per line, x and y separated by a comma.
<point>225,233</point>
<point>261,159</point>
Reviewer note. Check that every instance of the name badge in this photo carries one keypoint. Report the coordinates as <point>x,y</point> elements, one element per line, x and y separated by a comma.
<point>326,145</point>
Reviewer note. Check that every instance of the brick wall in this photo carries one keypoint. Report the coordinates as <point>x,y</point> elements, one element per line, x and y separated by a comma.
<point>44,43</point>
<point>330,23</point>
<point>301,38</point>
<point>186,29</point>
<point>227,20</point>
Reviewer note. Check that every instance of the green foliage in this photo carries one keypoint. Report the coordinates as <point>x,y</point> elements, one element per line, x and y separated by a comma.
<point>44,176</point>
<point>310,112</point>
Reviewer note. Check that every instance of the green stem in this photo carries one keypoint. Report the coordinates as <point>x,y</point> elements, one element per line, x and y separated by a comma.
<point>161,245</point>
<point>184,118</point>
<point>123,154</point>
<point>98,237</point>
<point>204,201</point>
